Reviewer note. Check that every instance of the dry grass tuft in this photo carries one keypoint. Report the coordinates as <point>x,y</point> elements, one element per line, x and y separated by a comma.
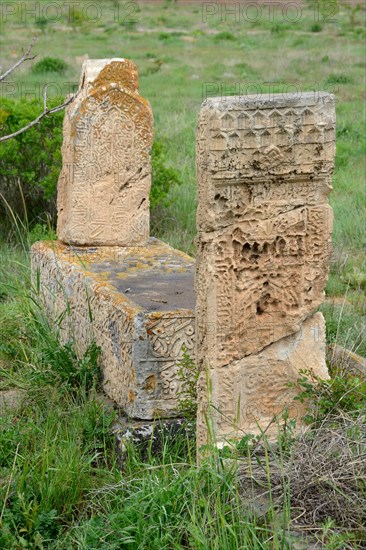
<point>322,478</point>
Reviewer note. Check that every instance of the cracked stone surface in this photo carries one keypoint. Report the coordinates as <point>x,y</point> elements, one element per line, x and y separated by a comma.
<point>264,168</point>
<point>250,392</point>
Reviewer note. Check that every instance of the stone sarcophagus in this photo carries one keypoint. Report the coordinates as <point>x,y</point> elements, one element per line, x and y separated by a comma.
<point>136,304</point>
<point>264,225</point>
<point>104,185</point>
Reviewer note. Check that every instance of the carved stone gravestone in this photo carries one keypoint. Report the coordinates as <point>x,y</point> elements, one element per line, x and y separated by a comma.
<point>107,282</point>
<point>104,185</point>
<point>264,224</point>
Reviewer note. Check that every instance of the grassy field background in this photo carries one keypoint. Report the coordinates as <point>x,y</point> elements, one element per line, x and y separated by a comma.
<point>60,481</point>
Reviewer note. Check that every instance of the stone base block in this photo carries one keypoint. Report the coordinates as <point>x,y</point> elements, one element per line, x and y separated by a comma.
<point>150,437</point>
<point>244,396</point>
<point>136,303</point>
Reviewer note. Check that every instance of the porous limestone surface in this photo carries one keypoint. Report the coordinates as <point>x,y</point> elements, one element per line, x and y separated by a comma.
<point>264,223</point>
<point>250,393</point>
<point>136,303</point>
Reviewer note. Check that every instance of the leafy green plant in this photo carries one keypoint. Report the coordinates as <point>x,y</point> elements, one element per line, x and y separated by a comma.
<point>41,23</point>
<point>169,36</point>
<point>326,397</point>
<point>338,79</point>
<point>188,374</point>
<point>61,428</point>
<point>286,437</point>
<point>316,27</point>
<point>168,502</point>
<point>42,232</point>
<point>76,18</point>
<point>62,365</point>
<point>163,177</point>
<point>279,28</point>
<point>31,161</point>
<point>224,35</point>
<point>50,65</point>
<point>128,24</point>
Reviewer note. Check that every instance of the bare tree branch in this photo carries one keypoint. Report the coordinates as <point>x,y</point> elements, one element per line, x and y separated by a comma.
<point>41,116</point>
<point>25,57</point>
<point>46,111</point>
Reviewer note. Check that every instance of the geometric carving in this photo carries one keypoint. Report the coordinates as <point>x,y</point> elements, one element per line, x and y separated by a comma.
<point>103,189</point>
<point>264,170</point>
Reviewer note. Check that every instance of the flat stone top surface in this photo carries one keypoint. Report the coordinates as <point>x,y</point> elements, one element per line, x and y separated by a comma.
<point>156,277</point>
<point>270,101</point>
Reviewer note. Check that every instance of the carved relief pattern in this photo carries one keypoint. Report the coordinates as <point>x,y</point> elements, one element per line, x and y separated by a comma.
<point>140,350</point>
<point>264,241</point>
<point>105,181</point>
<point>263,220</point>
<point>256,388</point>
<point>169,336</point>
<point>244,153</point>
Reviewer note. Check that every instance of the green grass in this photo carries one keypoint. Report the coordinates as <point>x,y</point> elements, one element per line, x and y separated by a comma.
<point>59,477</point>
<point>185,53</point>
<point>61,485</point>
<point>60,481</point>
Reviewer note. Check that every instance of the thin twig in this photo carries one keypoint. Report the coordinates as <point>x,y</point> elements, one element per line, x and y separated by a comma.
<point>25,57</point>
<point>45,113</point>
<point>45,98</point>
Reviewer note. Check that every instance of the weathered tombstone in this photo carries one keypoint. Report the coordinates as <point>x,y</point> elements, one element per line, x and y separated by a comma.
<point>107,282</point>
<point>104,185</point>
<point>264,171</point>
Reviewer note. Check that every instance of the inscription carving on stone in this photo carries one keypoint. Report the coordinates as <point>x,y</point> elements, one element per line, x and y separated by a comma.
<point>251,391</point>
<point>168,336</point>
<point>104,185</point>
<point>264,170</point>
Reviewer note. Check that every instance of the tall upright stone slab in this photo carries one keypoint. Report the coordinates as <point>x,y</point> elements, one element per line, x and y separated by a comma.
<point>103,189</point>
<point>264,169</point>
